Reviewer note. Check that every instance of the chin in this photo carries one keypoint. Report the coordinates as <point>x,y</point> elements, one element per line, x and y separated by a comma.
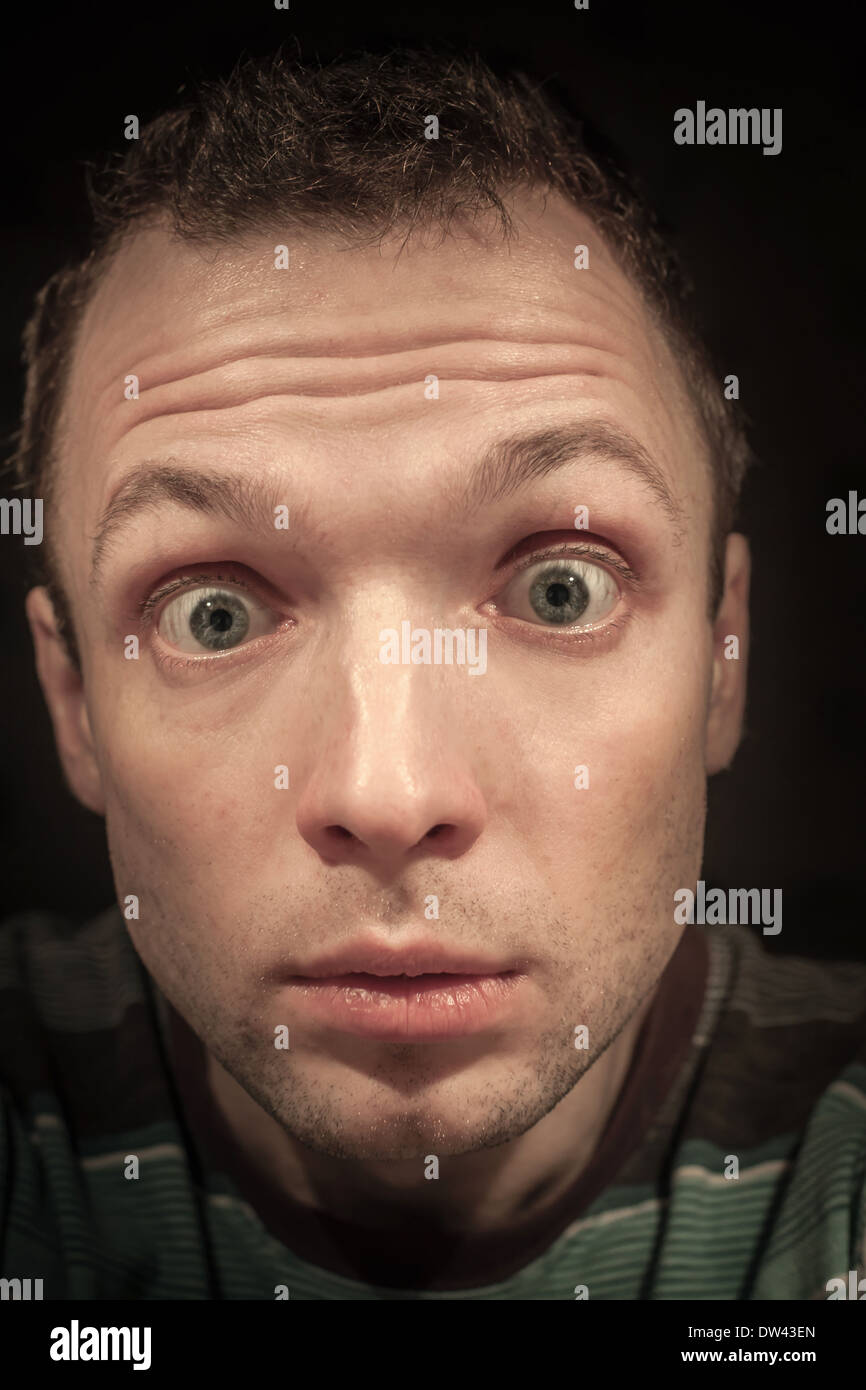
<point>383,1126</point>
<point>401,1138</point>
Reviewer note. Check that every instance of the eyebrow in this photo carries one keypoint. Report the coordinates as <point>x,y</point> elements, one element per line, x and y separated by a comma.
<point>153,483</point>
<point>506,466</point>
<point>512,463</point>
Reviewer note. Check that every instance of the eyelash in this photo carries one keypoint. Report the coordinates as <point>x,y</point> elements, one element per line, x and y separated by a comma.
<point>147,608</point>
<point>580,552</point>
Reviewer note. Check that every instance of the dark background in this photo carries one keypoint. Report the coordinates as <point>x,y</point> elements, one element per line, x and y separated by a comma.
<point>775,244</point>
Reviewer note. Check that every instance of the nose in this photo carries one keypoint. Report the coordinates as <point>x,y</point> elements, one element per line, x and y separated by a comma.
<point>392,777</point>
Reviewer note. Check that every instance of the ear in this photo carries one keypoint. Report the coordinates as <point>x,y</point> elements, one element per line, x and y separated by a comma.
<point>63,688</point>
<point>730,659</point>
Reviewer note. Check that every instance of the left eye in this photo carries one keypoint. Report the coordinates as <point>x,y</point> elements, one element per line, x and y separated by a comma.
<point>561,592</point>
<point>212,620</point>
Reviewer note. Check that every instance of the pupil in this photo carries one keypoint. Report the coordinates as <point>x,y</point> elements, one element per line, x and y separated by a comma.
<point>557,595</point>
<point>221,619</point>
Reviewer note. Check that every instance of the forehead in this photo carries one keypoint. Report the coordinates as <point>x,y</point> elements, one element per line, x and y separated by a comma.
<point>307,329</point>
<point>160,293</point>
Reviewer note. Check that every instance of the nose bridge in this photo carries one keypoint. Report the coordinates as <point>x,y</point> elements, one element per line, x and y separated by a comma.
<point>389,708</point>
<point>390,705</point>
<point>389,766</point>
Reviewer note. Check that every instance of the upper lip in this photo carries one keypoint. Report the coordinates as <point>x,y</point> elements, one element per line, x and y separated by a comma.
<point>423,958</point>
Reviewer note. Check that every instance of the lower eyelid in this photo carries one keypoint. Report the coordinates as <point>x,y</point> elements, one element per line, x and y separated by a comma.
<point>171,658</point>
<point>578,636</point>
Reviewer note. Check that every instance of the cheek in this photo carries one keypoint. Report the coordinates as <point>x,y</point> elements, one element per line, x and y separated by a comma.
<point>616,800</point>
<point>189,836</point>
<point>192,814</point>
<point>200,823</point>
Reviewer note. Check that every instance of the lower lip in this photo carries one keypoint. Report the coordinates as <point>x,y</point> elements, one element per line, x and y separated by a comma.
<point>402,1008</point>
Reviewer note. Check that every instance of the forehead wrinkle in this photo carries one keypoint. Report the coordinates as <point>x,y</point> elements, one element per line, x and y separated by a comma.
<point>375,347</point>
<point>511,463</point>
<point>245,379</point>
<point>151,484</point>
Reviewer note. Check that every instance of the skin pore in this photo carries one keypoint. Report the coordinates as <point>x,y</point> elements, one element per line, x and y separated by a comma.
<point>308,384</point>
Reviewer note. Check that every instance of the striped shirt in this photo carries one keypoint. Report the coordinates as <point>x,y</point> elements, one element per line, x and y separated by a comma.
<point>733,1164</point>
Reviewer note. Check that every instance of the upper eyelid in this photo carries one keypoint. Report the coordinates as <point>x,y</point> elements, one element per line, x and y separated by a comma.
<point>183,583</point>
<point>579,552</point>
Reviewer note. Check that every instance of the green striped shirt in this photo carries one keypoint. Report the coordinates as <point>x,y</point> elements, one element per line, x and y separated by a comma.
<point>749,1062</point>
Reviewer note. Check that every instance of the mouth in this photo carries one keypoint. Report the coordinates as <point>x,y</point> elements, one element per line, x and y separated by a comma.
<point>425,994</point>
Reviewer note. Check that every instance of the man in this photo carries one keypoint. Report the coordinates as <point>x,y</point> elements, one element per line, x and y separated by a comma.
<point>387,617</point>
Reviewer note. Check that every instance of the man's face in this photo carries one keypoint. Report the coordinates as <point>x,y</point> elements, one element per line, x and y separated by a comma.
<point>409,784</point>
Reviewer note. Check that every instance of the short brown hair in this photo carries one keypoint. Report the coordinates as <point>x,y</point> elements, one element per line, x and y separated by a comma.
<point>343,146</point>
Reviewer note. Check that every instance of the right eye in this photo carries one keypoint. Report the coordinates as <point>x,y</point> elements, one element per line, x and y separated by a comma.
<point>212,619</point>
